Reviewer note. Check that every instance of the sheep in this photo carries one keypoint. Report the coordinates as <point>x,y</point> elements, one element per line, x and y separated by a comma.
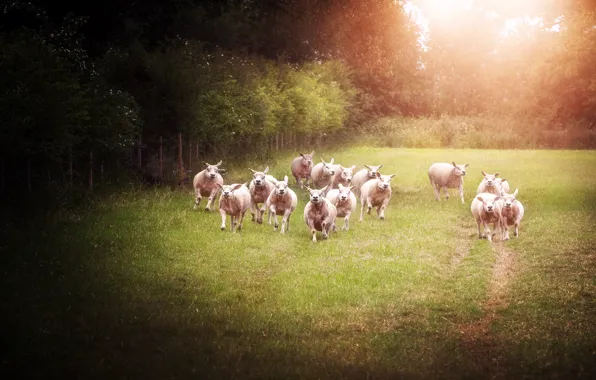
<point>363,175</point>
<point>207,183</point>
<point>344,200</point>
<point>489,184</point>
<point>376,193</point>
<point>260,187</point>
<point>322,173</point>
<point>302,167</point>
<point>319,213</point>
<point>234,201</point>
<point>512,213</point>
<point>342,176</point>
<point>448,176</point>
<point>282,201</point>
<point>504,185</point>
<point>486,209</point>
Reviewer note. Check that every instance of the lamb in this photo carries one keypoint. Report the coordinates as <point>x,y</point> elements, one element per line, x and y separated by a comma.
<point>282,201</point>
<point>322,173</point>
<point>342,176</point>
<point>486,209</point>
<point>504,185</point>
<point>319,213</point>
<point>448,176</point>
<point>364,175</point>
<point>376,193</point>
<point>344,201</point>
<point>489,184</point>
<point>302,167</point>
<point>260,187</point>
<point>207,183</point>
<point>512,213</point>
<point>234,201</point>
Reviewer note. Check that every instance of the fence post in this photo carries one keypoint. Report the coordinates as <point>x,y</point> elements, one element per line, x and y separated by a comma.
<point>91,170</point>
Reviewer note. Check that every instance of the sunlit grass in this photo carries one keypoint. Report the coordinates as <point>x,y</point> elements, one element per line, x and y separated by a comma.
<point>139,284</point>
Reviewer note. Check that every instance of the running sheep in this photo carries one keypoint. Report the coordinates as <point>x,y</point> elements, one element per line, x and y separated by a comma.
<point>512,213</point>
<point>344,201</point>
<point>364,175</point>
<point>322,174</point>
<point>447,176</point>
<point>486,209</point>
<point>489,184</point>
<point>376,193</point>
<point>319,213</point>
<point>260,187</point>
<point>282,201</point>
<point>342,176</point>
<point>207,183</point>
<point>302,167</point>
<point>234,201</point>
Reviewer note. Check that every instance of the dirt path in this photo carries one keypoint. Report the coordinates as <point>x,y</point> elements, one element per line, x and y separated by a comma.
<point>476,337</point>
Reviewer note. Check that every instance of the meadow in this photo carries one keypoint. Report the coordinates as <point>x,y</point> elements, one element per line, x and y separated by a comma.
<point>136,284</point>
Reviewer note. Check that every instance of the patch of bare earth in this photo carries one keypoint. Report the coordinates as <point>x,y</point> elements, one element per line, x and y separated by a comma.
<point>477,337</point>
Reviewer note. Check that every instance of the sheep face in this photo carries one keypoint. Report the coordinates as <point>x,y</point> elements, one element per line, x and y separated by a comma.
<point>281,187</point>
<point>509,199</point>
<point>327,169</point>
<point>307,159</point>
<point>373,170</point>
<point>490,179</point>
<point>227,191</point>
<point>344,192</point>
<point>460,170</point>
<point>346,173</point>
<point>259,177</point>
<point>489,205</point>
<point>384,180</point>
<point>317,196</point>
<point>211,170</point>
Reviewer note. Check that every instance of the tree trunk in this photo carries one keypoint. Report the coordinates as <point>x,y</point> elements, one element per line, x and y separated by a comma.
<point>277,141</point>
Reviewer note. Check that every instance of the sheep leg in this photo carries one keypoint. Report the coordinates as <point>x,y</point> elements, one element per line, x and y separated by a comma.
<point>233,222</point>
<point>288,222</point>
<point>211,198</point>
<point>461,192</point>
<point>368,206</point>
<point>241,219</point>
<point>197,199</point>
<point>299,181</point>
<point>325,226</point>
<point>271,211</point>
<point>488,234</point>
<point>446,193</point>
<point>347,221</point>
<point>223,219</point>
<point>478,222</point>
<point>313,231</point>
<point>261,213</point>
<point>382,209</point>
<point>505,232</point>
<point>361,209</point>
<point>254,209</point>
<point>275,223</point>
<point>437,190</point>
<point>284,221</point>
<point>516,232</point>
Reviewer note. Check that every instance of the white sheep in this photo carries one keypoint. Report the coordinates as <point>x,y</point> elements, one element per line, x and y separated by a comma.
<point>447,176</point>
<point>376,193</point>
<point>282,201</point>
<point>486,209</point>
<point>344,200</point>
<point>489,184</point>
<point>302,167</point>
<point>504,184</point>
<point>319,213</point>
<point>363,175</point>
<point>342,176</point>
<point>322,173</point>
<point>234,201</point>
<point>260,187</point>
<point>207,183</point>
<point>512,213</point>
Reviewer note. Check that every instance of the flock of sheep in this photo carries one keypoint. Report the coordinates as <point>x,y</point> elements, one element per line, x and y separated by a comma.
<point>334,191</point>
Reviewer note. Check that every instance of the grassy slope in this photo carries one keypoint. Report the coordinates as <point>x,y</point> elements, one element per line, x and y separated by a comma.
<point>140,285</point>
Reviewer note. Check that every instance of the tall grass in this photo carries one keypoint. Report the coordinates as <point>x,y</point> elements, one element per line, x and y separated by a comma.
<point>137,284</point>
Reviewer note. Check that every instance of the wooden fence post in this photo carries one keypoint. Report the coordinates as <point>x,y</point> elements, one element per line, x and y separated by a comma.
<point>91,170</point>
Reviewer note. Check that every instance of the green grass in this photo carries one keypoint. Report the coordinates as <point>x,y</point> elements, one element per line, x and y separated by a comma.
<point>138,285</point>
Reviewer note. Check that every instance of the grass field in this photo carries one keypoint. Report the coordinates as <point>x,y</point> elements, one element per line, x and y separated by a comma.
<point>138,285</point>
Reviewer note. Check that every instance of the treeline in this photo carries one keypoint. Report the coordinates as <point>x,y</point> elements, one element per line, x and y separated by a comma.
<point>114,86</point>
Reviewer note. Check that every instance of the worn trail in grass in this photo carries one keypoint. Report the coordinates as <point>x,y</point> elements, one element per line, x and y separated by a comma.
<point>138,284</point>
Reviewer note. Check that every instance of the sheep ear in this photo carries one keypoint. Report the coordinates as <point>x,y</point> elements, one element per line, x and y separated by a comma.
<point>266,169</point>
<point>352,187</point>
<point>353,167</point>
<point>219,185</point>
<point>368,167</point>
<point>480,199</point>
<point>340,186</point>
<point>466,165</point>
<point>380,166</point>
<point>253,171</point>
<point>392,175</point>
<point>204,163</point>
<point>324,190</point>
<point>483,173</point>
<point>219,163</point>
<point>503,180</point>
<point>331,162</point>
<point>286,178</point>
<point>496,174</point>
<point>378,175</point>
<point>497,198</point>
<point>454,164</point>
<point>302,155</point>
<point>237,186</point>
<point>309,189</point>
<point>312,153</point>
<point>515,193</point>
